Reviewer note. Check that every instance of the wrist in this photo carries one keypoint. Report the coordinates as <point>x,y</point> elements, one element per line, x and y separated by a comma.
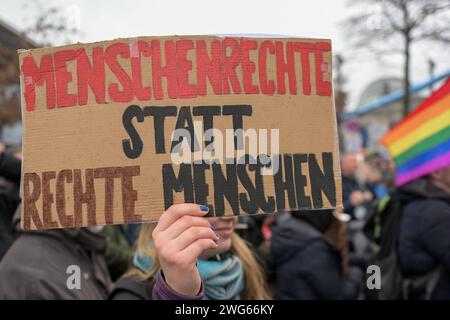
<point>162,291</point>
<point>184,281</point>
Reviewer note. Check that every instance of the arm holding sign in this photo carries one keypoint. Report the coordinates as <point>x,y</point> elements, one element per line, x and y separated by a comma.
<point>180,237</point>
<point>188,256</point>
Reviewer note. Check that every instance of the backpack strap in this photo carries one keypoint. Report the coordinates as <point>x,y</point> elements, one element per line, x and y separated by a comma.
<point>433,281</point>
<point>427,282</point>
<point>377,218</point>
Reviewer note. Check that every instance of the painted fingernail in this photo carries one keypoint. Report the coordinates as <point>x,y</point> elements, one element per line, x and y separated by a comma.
<point>204,208</point>
<point>218,237</point>
<point>213,229</point>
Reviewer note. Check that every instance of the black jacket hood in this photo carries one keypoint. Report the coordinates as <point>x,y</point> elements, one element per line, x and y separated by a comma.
<point>292,235</point>
<point>422,189</point>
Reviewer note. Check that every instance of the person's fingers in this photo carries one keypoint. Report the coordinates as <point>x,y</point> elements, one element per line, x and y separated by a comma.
<point>195,249</point>
<point>176,211</point>
<point>191,235</point>
<point>184,223</point>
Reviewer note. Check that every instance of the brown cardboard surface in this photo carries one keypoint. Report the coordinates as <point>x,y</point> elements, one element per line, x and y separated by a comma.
<point>75,102</point>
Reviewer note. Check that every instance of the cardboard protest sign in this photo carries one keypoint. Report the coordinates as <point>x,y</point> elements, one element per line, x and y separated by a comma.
<point>117,131</point>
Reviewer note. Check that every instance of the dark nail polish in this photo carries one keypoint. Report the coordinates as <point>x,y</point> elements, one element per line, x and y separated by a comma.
<point>204,208</point>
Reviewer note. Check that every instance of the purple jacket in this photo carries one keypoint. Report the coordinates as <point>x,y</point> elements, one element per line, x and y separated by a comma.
<point>129,288</point>
<point>162,291</point>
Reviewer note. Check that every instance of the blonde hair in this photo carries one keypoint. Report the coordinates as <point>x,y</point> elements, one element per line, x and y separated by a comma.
<point>255,282</point>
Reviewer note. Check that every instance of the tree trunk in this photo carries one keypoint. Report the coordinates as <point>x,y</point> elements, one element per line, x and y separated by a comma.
<point>406,96</point>
<point>407,35</point>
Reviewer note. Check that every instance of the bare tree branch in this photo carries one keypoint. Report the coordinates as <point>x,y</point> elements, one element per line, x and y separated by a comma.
<point>49,24</point>
<point>398,25</point>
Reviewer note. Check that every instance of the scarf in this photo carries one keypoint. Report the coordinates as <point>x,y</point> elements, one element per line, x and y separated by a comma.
<point>222,280</point>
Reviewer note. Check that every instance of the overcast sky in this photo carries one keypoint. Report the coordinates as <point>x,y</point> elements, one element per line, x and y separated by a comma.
<point>109,19</point>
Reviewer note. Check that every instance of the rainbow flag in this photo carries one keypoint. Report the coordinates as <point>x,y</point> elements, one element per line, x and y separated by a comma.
<point>420,143</point>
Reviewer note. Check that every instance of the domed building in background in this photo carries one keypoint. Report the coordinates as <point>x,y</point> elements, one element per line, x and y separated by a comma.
<point>378,89</point>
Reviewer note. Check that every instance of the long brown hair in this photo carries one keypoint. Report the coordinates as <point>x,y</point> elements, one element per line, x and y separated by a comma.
<point>255,282</point>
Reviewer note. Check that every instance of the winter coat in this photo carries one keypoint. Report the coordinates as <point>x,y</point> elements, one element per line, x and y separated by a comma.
<point>348,186</point>
<point>118,252</point>
<point>131,288</point>
<point>424,238</point>
<point>10,169</point>
<point>38,266</point>
<point>307,265</point>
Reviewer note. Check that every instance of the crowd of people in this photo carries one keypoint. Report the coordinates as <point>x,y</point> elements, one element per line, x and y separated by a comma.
<point>292,255</point>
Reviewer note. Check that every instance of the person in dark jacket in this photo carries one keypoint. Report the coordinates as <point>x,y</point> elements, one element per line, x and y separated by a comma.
<point>306,263</point>
<point>354,195</point>
<point>118,253</point>
<point>43,264</point>
<point>424,239</point>
<point>10,168</point>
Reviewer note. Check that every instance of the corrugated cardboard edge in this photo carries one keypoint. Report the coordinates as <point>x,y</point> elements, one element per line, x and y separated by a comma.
<point>212,36</point>
<point>22,104</point>
<point>337,176</point>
